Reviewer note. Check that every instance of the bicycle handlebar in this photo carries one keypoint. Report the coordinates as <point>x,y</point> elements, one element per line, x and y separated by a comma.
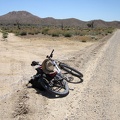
<point>51,54</point>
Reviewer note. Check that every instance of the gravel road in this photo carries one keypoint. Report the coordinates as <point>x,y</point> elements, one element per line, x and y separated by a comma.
<point>96,98</point>
<point>101,97</point>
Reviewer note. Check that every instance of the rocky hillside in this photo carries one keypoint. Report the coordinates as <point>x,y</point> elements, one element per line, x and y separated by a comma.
<point>24,17</point>
<point>20,16</point>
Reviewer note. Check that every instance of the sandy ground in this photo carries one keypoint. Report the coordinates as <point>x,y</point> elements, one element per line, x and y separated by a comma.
<point>96,98</point>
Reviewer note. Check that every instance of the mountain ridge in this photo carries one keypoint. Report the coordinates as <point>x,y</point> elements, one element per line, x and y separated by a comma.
<point>24,17</point>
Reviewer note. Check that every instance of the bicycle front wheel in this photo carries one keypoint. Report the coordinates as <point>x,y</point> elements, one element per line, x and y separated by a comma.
<point>71,71</point>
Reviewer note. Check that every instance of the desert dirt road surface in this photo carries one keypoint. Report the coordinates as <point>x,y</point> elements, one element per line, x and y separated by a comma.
<point>96,98</point>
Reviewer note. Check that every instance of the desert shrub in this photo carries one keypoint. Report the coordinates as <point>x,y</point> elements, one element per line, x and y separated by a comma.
<point>83,40</point>
<point>31,33</point>
<point>37,32</point>
<point>23,33</point>
<point>45,31</point>
<point>17,33</point>
<point>55,34</point>
<point>67,34</point>
<point>5,35</point>
<point>92,37</point>
<point>77,32</point>
<point>110,31</point>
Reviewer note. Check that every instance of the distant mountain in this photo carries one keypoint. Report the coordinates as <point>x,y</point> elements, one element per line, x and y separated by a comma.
<point>19,16</point>
<point>101,23</point>
<point>24,17</point>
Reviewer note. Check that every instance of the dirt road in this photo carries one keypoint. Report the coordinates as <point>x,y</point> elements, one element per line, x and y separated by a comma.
<point>96,98</point>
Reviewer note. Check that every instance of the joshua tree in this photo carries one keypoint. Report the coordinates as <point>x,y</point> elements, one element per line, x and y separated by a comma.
<point>91,25</point>
<point>62,26</point>
<point>18,24</point>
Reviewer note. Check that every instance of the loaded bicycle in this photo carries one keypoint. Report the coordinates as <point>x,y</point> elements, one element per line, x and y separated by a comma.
<point>53,76</point>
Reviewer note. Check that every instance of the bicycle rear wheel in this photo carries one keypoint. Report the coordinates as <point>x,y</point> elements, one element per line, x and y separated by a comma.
<point>59,88</point>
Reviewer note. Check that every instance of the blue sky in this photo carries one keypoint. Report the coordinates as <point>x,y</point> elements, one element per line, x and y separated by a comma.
<point>85,10</point>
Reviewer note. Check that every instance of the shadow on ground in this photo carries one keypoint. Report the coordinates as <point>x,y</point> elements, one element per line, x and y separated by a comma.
<point>44,93</point>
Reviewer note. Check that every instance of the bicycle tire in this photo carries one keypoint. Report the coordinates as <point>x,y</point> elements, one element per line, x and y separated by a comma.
<point>70,70</point>
<point>50,90</point>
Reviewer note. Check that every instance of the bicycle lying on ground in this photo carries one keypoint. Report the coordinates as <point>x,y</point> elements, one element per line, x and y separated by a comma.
<point>53,76</point>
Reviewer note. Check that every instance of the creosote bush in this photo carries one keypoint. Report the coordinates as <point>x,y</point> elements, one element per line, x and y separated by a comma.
<point>55,35</point>
<point>23,33</point>
<point>67,35</point>
<point>5,34</point>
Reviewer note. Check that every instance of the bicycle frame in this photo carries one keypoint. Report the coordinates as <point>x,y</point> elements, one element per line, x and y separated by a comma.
<point>55,65</point>
<point>54,62</point>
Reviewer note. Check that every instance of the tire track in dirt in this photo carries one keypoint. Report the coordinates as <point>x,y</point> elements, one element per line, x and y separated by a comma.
<point>21,108</point>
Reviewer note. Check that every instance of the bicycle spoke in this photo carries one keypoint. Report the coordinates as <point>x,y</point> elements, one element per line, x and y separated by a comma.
<point>57,89</point>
